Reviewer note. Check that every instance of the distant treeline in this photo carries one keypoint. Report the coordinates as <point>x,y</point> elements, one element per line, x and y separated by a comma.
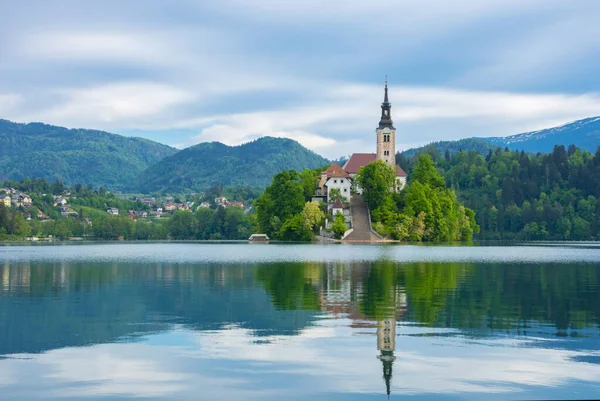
<point>516,195</point>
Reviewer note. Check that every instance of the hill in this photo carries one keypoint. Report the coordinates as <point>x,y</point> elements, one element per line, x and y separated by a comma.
<point>584,134</point>
<point>479,145</point>
<point>254,163</point>
<point>74,155</point>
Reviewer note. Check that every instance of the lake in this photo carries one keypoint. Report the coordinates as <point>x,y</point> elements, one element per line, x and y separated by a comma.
<point>200,321</point>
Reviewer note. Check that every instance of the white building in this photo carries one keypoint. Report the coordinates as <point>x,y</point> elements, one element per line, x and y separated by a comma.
<point>335,177</point>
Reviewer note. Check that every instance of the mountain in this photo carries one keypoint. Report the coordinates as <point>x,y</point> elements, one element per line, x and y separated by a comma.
<point>74,155</point>
<point>479,145</point>
<point>585,134</point>
<point>201,166</point>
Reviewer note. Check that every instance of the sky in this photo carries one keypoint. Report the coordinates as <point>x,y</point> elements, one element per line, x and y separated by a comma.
<point>190,71</point>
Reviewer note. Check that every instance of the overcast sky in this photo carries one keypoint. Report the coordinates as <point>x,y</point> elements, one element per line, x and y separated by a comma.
<point>188,71</point>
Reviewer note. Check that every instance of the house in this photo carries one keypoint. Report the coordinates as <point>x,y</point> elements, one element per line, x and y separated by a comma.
<point>182,206</point>
<point>141,213</point>
<point>337,178</point>
<point>337,207</point>
<point>112,211</point>
<point>131,214</point>
<point>22,199</point>
<point>221,200</point>
<point>204,204</point>
<point>41,215</point>
<point>59,201</point>
<point>6,200</point>
<point>170,206</point>
<point>157,212</point>
<point>238,204</point>
<point>65,211</point>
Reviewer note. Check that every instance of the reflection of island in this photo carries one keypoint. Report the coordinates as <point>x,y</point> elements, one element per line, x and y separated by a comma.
<point>74,304</point>
<point>343,294</point>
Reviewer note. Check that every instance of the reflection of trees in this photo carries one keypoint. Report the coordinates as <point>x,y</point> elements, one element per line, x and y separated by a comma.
<point>291,285</point>
<point>45,306</point>
<point>509,296</point>
<point>458,295</point>
<point>428,287</point>
<point>381,291</point>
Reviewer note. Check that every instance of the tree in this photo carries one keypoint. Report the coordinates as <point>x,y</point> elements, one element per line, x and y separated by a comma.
<point>426,173</point>
<point>376,180</point>
<point>312,215</point>
<point>309,179</point>
<point>19,226</point>
<point>294,229</point>
<point>283,199</point>
<point>339,226</point>
<point>181,225</point>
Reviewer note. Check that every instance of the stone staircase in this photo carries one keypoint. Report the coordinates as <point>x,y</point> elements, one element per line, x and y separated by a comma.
<point>361,223</point>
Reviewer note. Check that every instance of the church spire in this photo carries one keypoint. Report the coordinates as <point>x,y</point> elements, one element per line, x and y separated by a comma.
<point>386,111</point>
<point>385,98</point>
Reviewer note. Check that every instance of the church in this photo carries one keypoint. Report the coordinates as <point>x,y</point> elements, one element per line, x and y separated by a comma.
<point>336,177</point>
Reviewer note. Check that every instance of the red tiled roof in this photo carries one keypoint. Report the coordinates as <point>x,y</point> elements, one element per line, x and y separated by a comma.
<point>400,172</point>
<point>357,160</point>
<point>338,204</point>
<point>336,171</point>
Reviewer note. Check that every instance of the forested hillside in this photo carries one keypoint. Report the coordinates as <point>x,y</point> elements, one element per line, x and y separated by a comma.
<point>74,156</point>
<point>516,195</point>
<point>254,164</point>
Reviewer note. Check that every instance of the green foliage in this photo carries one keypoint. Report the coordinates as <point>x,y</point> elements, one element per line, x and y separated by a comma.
<point>93,157</point>
<point>199,167</point>
<point>516,195</point>
<point>339,226</point>
<point>425,172</point>
<point>92,222</point>
<point>425,210</point>
<point>283,200</point>
<point>294,229</point>
<point>376,180</point>
<point>313,215</point>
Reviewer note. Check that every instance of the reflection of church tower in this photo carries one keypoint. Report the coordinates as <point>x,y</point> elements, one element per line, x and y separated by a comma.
<point>386,344</point>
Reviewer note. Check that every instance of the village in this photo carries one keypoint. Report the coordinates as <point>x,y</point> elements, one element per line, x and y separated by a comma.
<point>153,206</point>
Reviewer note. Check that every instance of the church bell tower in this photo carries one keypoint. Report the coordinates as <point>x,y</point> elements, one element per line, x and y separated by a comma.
<point>386,133</point>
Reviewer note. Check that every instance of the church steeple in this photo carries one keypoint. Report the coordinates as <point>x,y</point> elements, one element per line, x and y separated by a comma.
<point>386,111</point>
<point>386,133</point>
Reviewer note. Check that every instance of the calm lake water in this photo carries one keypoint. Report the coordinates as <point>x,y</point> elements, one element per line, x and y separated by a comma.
<point>320,322</point>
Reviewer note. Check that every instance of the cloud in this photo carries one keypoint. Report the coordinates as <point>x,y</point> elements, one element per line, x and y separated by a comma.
<point>303,70</point>
<point>9,101</point>
<point>343,118</point>
<point>123,104</point>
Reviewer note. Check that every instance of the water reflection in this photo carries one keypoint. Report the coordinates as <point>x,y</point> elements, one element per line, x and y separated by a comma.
<point>296,321</point>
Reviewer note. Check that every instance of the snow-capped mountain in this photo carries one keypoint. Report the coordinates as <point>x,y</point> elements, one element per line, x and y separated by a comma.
<point>585,134</point>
